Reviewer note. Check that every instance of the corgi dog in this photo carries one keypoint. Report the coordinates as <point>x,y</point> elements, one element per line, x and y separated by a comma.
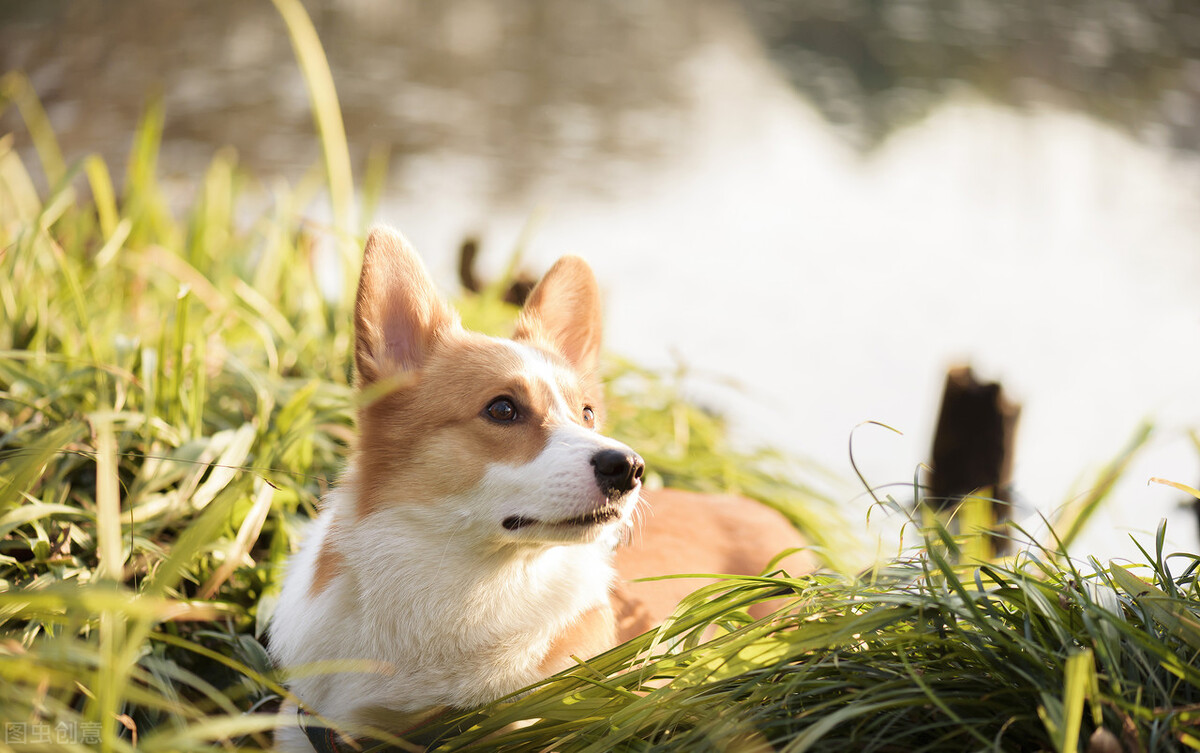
<point>474,544</point>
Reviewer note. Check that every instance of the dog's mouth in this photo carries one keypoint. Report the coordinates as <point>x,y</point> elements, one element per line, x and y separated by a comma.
<point>599,516</point>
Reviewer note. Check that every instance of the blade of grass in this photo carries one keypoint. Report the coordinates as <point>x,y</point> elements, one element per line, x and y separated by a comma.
<point>102,194</point>
<point>1182,623</point>
<point>328,116</point>
<point>17,88</point>
<point>110,548</point>
<point>1076,515</point>
<point>247,534</point>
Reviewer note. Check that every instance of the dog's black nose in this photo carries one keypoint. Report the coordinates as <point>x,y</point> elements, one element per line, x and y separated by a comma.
<point>617,471</point>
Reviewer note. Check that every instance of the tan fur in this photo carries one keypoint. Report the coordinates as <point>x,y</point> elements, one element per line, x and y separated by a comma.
<point>330,564</point>
<point>592,633</point>
<point>686,532</point>
<point>411,435</point>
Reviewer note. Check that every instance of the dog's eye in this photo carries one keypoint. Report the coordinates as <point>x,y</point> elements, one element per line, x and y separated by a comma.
<point>589,415</point>
<point>501,409</point>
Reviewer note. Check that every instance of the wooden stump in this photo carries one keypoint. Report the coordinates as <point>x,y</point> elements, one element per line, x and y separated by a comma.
<point>973,447</point>
<point>518,288</point>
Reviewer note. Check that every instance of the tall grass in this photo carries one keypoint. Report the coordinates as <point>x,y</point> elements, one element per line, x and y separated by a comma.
<point>171,400</point>
<point>174,399</point>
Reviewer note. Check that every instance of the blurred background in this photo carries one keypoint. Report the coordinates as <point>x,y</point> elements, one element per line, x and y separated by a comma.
<point>812,208</point>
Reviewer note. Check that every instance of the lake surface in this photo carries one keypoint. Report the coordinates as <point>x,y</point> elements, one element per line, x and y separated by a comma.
<point>827,204</point>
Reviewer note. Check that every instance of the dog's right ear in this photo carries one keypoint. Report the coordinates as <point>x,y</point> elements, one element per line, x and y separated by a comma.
<point>398,313</point>
<point>563,310</point>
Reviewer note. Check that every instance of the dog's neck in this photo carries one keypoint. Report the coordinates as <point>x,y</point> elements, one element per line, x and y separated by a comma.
<point>477,578</point>
<point>450,559</point>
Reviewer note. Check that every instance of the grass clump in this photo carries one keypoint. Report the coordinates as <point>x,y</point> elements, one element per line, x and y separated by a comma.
<point>921,654</point>
<point>175,397</point>
<point>172,399</point>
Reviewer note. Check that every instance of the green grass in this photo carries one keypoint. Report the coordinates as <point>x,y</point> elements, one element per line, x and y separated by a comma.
<point>174,399</point>
<point>916,655</point>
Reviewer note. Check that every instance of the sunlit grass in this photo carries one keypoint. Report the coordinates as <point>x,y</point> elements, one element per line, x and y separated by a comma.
<point>919,654</point>
<point>174,399</point>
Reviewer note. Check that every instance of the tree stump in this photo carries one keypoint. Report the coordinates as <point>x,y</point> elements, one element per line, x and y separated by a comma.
<point>518,288</point>
<point>973,447</point>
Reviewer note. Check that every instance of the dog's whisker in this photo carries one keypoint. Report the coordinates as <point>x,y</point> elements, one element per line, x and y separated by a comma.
<point>449,540</point>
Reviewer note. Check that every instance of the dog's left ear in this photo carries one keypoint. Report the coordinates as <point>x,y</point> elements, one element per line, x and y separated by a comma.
<point>398,314</point>
<point>564,311</point>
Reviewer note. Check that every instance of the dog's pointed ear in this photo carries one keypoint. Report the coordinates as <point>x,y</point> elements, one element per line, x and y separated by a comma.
<point>398,313</point>
<point>564,312</point>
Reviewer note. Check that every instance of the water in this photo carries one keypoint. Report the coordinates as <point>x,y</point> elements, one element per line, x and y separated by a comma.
<point>825,205</point>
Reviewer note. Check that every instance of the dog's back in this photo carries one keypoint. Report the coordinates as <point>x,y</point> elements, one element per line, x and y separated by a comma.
<point>689,533</point>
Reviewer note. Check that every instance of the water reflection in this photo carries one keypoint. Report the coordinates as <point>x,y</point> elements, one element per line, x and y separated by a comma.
<point>873,67</point>
<point>531,88</point>
<point>828,202</point>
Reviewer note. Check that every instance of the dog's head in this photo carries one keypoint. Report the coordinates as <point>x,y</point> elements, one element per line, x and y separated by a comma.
<point>493,439</point>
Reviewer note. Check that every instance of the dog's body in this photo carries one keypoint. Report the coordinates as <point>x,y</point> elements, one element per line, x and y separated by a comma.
<point>469,551</point>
